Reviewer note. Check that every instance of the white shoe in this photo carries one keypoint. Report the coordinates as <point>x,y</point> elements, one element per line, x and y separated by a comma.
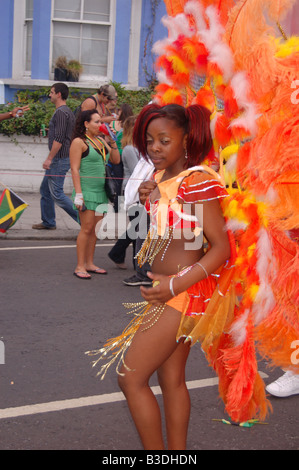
<point>285,386</point>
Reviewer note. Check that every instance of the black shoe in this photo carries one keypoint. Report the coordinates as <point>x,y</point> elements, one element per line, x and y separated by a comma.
<point>135,281</point>
<point>41,226</point>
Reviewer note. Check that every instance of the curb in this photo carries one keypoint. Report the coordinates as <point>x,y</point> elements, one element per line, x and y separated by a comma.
<point>53,235</point>
<point>29,235</point>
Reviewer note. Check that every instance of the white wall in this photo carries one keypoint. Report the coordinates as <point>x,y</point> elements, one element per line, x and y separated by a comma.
<point>21,163</point>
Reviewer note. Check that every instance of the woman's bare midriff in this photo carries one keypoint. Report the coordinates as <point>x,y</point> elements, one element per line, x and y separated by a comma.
<point>179,254</point>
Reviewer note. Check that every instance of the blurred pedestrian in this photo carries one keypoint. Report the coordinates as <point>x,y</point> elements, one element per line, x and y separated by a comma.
<point>118,170</point>
<point>57,163</point>
<point>130,158</point>
<point>99,102</point>
<point>88,155</point>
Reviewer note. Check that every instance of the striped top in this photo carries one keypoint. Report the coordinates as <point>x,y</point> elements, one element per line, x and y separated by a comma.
<point>61,129</point>
<point>192,186</point>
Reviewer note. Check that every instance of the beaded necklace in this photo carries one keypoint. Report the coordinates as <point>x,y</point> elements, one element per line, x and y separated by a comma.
<point>152,245</point>
<point>102,150</point>
<point>159,239</point>
<point>155,243</point>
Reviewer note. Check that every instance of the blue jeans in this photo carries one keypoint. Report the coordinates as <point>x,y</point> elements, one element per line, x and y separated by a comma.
<point>51,191</point>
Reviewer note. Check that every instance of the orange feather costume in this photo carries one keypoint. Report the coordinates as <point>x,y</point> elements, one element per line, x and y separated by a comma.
<point>225,56</point>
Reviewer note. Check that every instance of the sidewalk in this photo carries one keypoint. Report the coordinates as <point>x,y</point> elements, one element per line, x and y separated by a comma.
<point>66,227</point>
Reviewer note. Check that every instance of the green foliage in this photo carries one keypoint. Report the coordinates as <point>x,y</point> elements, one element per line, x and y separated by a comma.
<point>135,98</point>
<point>41,108</point>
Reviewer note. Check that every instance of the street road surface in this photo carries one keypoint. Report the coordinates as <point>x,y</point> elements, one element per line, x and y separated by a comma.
<point>50,397</point>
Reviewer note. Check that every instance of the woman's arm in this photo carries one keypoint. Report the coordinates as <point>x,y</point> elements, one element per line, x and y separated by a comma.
<point>76,150</point>
<point>216,234</point>
<point>129,158</point>
<point>20,110</point>
<point>111,147</point>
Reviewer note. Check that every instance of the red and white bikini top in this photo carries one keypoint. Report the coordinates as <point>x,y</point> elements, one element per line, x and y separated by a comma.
<point>193,186</point>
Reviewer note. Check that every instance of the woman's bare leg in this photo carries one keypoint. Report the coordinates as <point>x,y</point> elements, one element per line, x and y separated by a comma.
<point>176,398</point>
<point>90,249</point>
<point>149,350</point>
<point>83,239</point>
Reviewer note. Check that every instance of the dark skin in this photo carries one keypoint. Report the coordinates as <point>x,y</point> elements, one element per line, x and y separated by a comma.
<point>164,148</point>
<point>13,113</point>
<point>156,349</point>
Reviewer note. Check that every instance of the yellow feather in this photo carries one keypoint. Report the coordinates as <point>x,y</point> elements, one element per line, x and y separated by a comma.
<point>287,48</point>
<point>253,290</point>
<point>251,250</point>
<point>178,65</point>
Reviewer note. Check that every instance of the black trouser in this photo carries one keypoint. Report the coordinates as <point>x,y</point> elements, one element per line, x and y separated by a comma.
<point>118,172</point>
<point>135,234</point>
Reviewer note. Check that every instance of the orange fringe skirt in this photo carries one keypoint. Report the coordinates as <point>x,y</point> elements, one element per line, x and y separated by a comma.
<point>208,311</point>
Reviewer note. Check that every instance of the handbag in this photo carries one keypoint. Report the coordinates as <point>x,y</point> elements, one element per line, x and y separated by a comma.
<point>110,184</point>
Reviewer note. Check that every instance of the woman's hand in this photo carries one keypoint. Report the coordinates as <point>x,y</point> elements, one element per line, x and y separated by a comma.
<point>114,155</point>
<point>160,292</point>
<point>78,201</point>
<point>145,190</point>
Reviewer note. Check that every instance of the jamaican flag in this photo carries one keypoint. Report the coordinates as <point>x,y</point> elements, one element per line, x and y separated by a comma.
<point>11,208</point>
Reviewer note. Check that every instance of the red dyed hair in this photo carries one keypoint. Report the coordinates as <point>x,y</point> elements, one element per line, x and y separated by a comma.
<point>194,120</point>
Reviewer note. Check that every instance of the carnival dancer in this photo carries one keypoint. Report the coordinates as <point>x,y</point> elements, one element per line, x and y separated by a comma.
<point>177,140</point>
<point>215,55</point>
<point>210,59</point>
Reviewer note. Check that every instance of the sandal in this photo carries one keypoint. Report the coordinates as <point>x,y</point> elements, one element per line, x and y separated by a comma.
<point>82,275</point>
<point>97,271</point>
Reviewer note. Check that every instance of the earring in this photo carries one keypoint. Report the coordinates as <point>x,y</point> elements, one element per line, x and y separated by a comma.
<point>186,154</point>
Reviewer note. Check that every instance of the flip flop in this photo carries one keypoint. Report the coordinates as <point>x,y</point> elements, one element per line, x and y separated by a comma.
<point>97,271</point>
<point>85,277</point>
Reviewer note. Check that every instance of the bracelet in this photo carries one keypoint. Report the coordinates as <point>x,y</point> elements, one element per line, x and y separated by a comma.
<point>171,287</point>
<point>202,267</point>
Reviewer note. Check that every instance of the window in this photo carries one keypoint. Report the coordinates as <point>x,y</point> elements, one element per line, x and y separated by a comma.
<point>81,31</point>
<point>28,35</point>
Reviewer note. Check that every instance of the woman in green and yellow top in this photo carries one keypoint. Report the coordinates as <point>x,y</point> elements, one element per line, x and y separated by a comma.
<point>88,155</point>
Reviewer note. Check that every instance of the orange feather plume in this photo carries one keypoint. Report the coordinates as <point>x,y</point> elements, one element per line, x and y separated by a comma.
<point>223,133</point>
<point>174,7</point>
<point>205,97</point>
<point>231,107</point>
